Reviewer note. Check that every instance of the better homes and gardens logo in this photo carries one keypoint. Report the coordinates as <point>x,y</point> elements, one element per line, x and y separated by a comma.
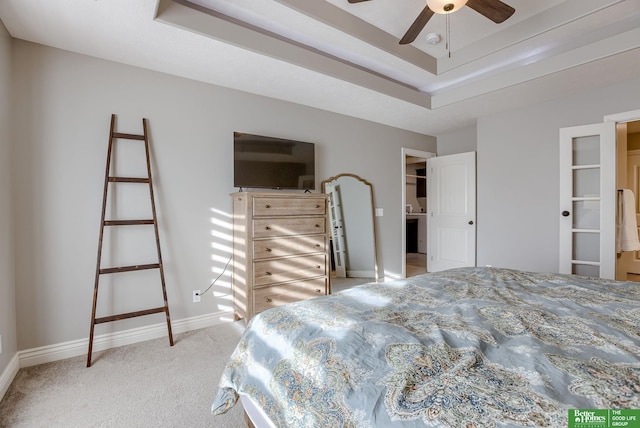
<point>588,418</point>
<point>599,418</point>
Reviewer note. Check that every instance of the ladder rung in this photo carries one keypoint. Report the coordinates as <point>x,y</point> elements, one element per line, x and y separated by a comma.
<point>129,315</point>
<point>128,136</point>
<point>128,180</point>
<point>129,268</point>
<point>126,222</point>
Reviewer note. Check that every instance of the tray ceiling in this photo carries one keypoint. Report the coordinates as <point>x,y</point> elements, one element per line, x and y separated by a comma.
<point>346,58</point>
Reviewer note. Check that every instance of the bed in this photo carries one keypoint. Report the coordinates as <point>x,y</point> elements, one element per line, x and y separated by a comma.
<point>470,347</point>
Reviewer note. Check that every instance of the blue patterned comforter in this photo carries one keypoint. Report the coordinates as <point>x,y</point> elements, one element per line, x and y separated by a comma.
<point>472,347</point>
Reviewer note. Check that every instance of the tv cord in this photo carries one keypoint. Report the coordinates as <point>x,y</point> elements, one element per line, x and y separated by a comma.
<point>216,280</point>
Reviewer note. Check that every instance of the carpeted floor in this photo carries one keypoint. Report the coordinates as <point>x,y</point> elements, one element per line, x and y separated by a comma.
<point>340,284</point>
<point>148,384</point>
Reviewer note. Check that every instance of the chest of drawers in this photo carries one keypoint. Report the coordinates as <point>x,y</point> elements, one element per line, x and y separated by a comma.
<point>279,250</point>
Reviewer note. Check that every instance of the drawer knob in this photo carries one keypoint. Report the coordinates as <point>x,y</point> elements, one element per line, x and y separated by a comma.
<point>318,290</point>
<point>317,245</point>
<point>318,267</point>
<point>267,206</point>
<point>317,206</point>
<point>269,300</point>
<point>317,225</point>
<point>267,228</point>
<point>268,273</point>
<point>268,250</point>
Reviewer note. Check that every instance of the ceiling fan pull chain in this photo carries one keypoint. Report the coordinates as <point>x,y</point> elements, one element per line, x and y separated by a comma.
<point>448,33</point>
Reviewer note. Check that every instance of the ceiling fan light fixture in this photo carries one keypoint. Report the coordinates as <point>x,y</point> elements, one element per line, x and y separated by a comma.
<point>445,6</point>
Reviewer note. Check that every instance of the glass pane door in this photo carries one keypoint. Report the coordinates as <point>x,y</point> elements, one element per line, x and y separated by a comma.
<point>585,258</point>
<point>587,200</point>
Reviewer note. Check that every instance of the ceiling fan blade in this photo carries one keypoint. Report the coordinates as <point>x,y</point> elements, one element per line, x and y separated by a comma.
<point>417,26</point>
<point>495,10</point>
<point>356,1</point>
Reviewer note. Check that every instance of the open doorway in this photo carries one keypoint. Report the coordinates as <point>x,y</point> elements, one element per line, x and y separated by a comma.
<point>628,177</point>
<point>414,211</point>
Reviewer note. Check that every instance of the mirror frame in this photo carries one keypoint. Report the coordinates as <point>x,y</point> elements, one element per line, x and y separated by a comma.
<point>373,217</point>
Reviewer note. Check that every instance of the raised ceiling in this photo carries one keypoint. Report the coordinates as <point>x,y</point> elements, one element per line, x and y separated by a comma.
<point>346,58</point>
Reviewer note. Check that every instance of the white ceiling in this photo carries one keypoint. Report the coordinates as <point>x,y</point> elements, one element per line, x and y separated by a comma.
<point>345,58</point>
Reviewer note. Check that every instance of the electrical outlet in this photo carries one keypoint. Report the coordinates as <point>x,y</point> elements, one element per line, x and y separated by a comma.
<point>196,296</point>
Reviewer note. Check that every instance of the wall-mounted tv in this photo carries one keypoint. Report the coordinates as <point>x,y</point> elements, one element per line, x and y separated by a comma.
<point>272,163</point>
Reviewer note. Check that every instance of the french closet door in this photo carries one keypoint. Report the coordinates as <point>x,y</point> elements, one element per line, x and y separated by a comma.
<point>337,230</point>
<point>588,200</point>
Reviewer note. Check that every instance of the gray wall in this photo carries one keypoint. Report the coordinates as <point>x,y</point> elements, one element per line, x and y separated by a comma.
<point>61,123</point>
<point>518,198</point>
<point>457,141</point>
<point>7,284</point>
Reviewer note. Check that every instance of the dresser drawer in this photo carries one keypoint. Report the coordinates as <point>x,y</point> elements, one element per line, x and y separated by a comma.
<point>278,247</point>
<point>267,227</point>
<point>267,272</point>
<point>276,295</point>
<point>273,206</point>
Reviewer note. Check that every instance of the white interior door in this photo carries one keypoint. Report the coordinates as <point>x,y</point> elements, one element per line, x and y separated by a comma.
<point>588,200</point>
<point>451,207</point>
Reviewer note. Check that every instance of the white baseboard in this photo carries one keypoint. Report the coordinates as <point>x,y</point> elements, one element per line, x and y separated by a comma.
<point>9,374</point>
<point>74,348</point>
<point>361,274</point>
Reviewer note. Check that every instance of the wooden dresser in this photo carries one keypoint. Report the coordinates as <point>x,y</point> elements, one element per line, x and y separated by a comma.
<point>280,250</point>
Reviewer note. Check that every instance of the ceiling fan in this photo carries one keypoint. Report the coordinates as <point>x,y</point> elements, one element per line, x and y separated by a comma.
<point>495,10</point>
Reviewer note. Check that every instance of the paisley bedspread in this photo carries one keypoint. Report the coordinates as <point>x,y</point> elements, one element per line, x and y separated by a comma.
<point>471,347</point>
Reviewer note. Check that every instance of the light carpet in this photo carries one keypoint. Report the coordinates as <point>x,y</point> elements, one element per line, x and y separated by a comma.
<point>147,384</point>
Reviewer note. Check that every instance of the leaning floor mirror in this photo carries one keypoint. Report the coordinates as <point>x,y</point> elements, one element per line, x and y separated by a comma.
<point>353,238</point>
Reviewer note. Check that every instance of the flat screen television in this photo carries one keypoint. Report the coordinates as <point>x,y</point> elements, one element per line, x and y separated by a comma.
<point>272,163</point>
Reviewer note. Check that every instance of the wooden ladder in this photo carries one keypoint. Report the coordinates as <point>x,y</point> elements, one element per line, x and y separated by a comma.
<point>154,221</point>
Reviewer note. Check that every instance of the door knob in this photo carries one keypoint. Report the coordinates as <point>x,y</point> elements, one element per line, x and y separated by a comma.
<point>565,213</point>
<point>470,221</point>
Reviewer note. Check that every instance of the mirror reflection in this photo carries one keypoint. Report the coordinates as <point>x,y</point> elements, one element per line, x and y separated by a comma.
<point>353,243</point>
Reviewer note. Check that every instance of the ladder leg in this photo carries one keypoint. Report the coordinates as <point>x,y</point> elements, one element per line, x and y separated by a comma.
<point>99,257</point>
<point>155,228</point>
